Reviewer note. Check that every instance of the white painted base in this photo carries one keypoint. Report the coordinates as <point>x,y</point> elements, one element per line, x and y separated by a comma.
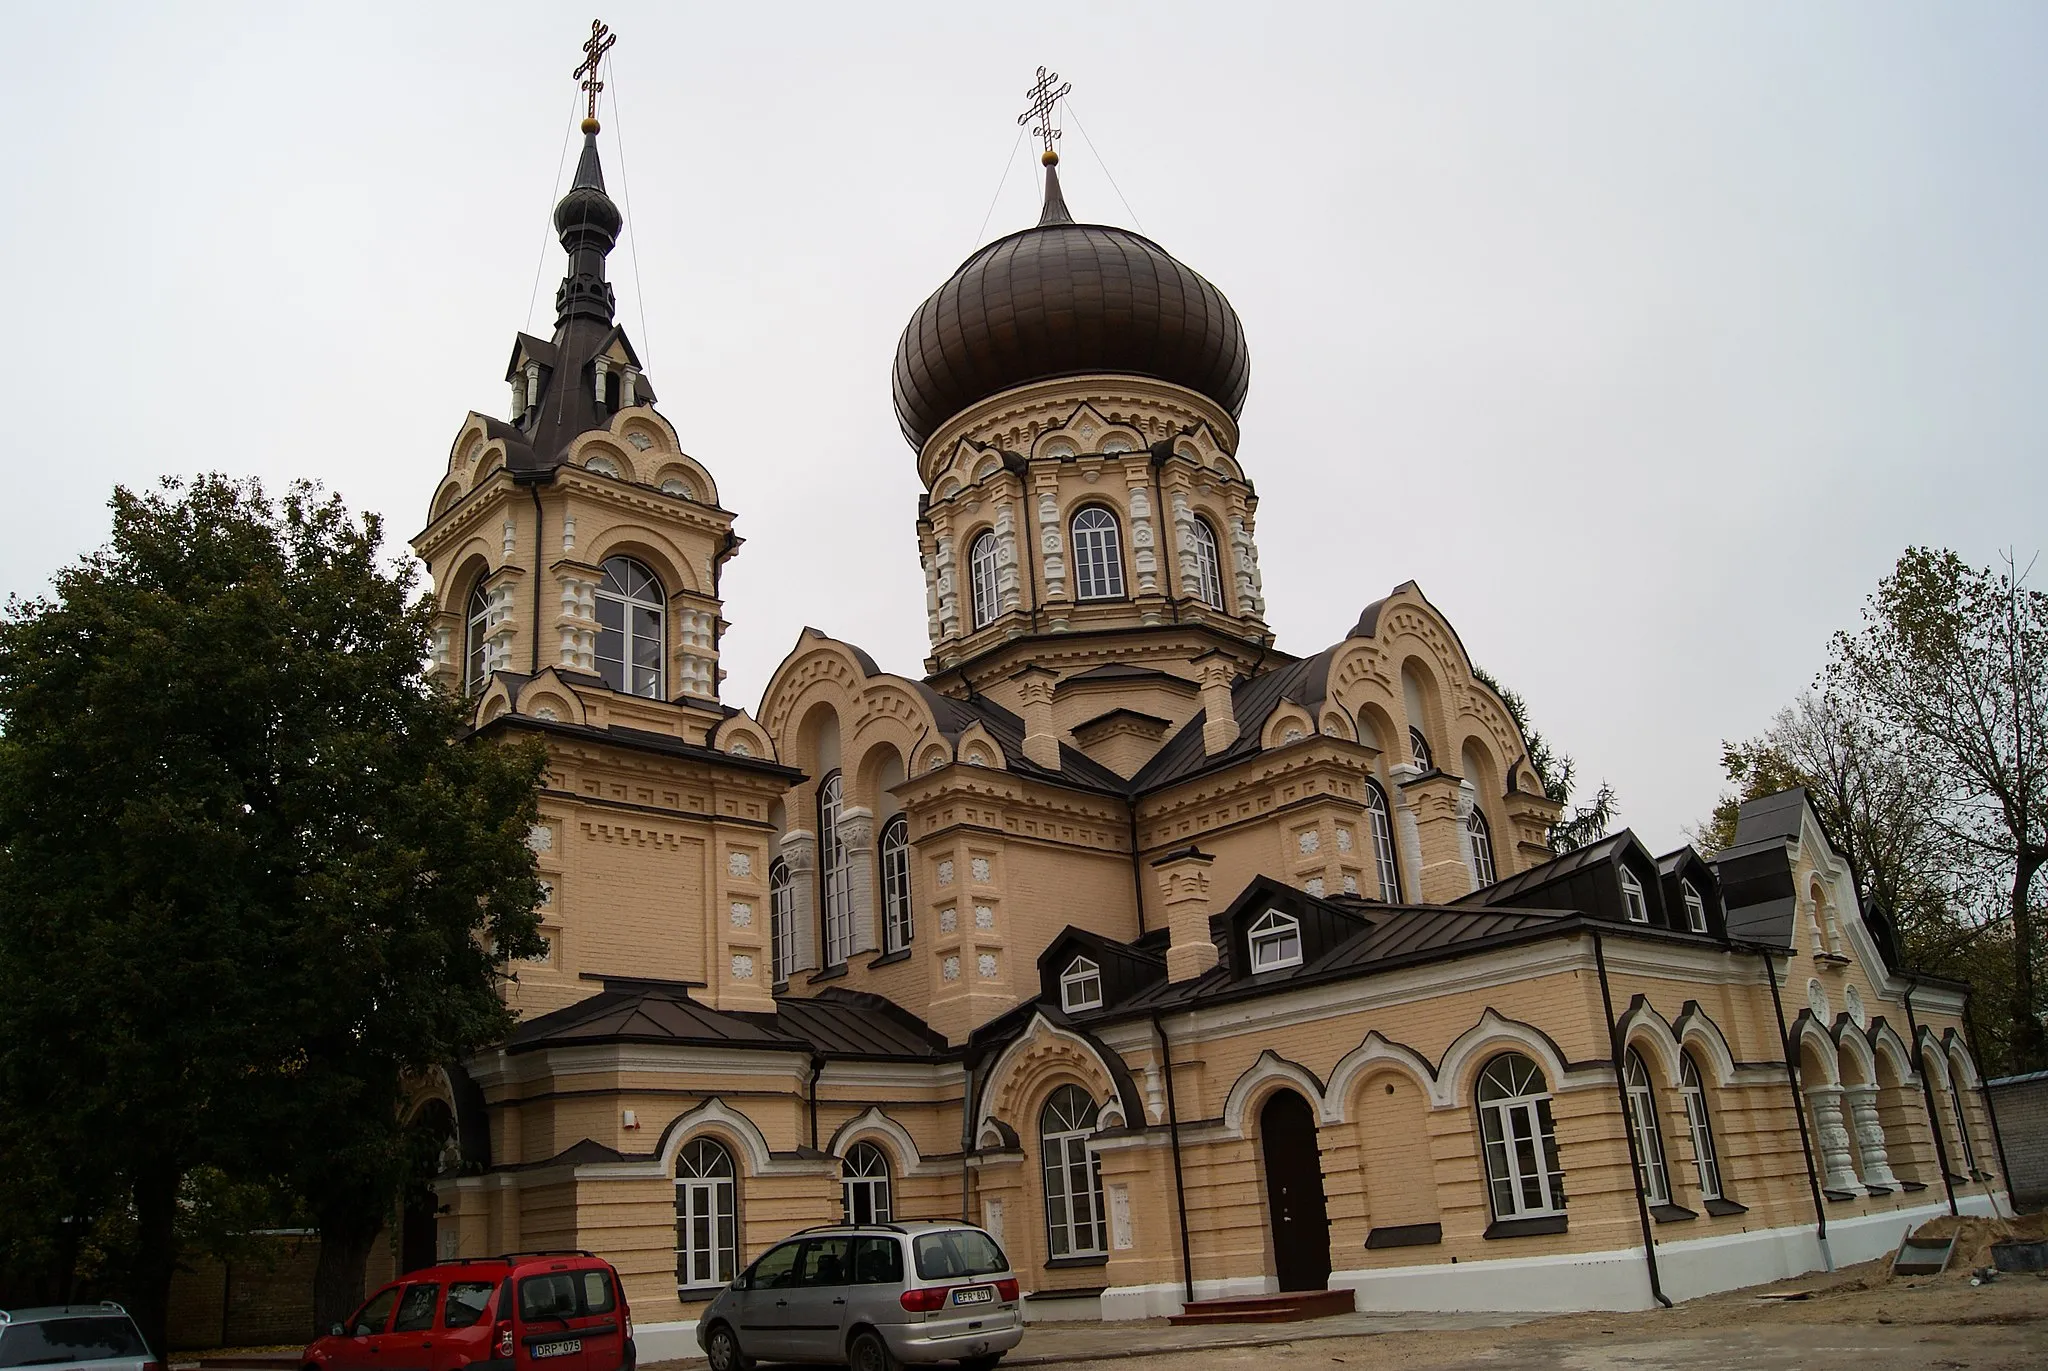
<point>1081,1309</point>
<point>666,1341</point>
<point>1164,1300</point>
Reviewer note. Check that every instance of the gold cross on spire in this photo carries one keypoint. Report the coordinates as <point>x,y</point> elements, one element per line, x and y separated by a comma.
<point>594,48</point>
<point>1044,94</point>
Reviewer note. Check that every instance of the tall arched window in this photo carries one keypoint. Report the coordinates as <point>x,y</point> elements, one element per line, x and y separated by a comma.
<point>835,893</point>
<point>1098,555</point>
<point>864,1184</point>
<point>781,920</point>
<point>981,580</point>
<point>1479,838</point>
<point>707,1221</point>
<point>1704,1156</point>
<point>1073,1176</point>
<point>1522,1171</point>
<point>1651,1176</point>
<point>1418,749</point>
<point>476,653</point>
<point>1383,842</point>
<point>894,849</point>
<point>1208,563</point>
<point>630,607</point>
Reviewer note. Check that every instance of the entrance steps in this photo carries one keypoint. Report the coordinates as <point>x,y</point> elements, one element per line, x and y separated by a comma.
<point>1290,1306</point>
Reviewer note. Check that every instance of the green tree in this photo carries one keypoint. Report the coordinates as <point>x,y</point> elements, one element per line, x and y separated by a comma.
<point>1557,774</point>
<point>245,879</point>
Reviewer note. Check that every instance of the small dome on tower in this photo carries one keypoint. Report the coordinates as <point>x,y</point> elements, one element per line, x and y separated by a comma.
<point>1065,299</point>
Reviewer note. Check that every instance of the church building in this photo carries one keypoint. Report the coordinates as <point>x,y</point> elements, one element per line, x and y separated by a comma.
<point>1188,963</point>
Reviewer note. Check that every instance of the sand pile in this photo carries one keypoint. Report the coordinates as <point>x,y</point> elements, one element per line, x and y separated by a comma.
<point>1974,1236</point>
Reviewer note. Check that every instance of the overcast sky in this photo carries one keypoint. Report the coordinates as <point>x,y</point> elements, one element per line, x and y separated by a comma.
<point>1644,337</point>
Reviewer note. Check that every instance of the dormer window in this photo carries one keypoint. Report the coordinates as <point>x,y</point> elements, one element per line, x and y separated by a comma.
<point>1632,898</point>
<point>1275,941</point>
<point>1081,986</point>
<point>1695,909</point>
<point>1418,748</point>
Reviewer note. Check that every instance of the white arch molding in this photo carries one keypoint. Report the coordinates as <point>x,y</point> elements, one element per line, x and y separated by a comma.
<point>1810,1033</point>
<point>1642,1027</point>
<point>1006,1063</point>
<point>1361,1061</point>
<point>1695,1030</point>
<point>1268,1071</point>
<point>1494,1033</point>
<point>871,1124</point>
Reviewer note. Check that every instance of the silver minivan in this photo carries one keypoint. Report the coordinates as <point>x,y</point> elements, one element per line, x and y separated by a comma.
<point>97,1336</point>
<point>870,1296</point>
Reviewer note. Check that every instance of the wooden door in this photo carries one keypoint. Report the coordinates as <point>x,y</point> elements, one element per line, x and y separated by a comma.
<point>1294,1192</point>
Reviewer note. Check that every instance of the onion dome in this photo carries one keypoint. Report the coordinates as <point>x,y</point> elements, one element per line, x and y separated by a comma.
<point>1065,299</point>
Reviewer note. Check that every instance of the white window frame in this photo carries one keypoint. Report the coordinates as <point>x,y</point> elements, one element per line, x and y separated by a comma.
<point>1081,986</point>
<point>1073,1175</point>
<point>781,920</point>
<point>1479,843</point>
<point>1418,749</point>
<point>1634,902</point>
<point>1382,823</point>
<point>864,1174</point>
<point>1705,1157</point>
<point>835,888</point>
<point>1695,907</point>
<point>1653,1177</point>
<point>1273,941</point>
<point>1208,564</point>
<point>985,599</point>
<point>1518,1140</point>
<point>898,922</point>
<point>1098,554</point>
<point>707,1216</point>
<point>476,649</point>
<point>618,589</point>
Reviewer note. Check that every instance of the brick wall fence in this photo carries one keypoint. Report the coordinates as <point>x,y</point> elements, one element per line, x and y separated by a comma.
<point>262,1300</point>
<point>2022,1105</point>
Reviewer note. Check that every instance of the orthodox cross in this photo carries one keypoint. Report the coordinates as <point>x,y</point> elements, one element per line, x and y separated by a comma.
<point>594,48</point>
<point>1043,95</point>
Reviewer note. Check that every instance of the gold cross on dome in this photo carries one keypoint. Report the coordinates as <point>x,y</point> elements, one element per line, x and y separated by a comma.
<point>1044,93</point>
<point>594,48</point>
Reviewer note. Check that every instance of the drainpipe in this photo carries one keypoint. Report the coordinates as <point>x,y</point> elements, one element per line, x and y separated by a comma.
<point>1927,1097</point>
<point>817,1070</point>
<point>1991,1114</point>
<point>1180,1192</point>
<point>1137,866</point>
<point>1628,1127</point>
<point>966,1139</point>
<point>535,490</point>
<point>1820,1216</point>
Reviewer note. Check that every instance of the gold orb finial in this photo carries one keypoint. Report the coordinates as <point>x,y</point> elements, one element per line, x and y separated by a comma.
<point>1049,157</point>
<point>590,125</point>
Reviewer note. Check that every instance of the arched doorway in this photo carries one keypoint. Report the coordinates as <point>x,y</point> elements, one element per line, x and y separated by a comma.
<point>430,1142</point>
<point>1294,1192</point>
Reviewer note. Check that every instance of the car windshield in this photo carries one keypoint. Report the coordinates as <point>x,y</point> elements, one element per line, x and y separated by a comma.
<point>958,1252</point>
<point>50,1342</point>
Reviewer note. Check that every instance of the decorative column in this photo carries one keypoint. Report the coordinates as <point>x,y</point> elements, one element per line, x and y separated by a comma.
<point>1250,584</point>
<point>696,654</point>
<point>1007,596</point>
<point>1144,545</point>
<point>1188,568</point>
<point>1184,891</point>
<point>799,850</point>
<point>949,598</point>
<point>1869,1130</point>
<point>1034,694</point>
<point>857,840</point>
<point>1837,1169</point>
<point>1219,711</point>
<point>1433,809</point>
<point>577,623</point>
<point>931,595</point>
<point>1052,546</point>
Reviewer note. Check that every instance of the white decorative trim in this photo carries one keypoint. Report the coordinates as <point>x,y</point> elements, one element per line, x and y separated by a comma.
<point>1373,1052</point>
<point>1491,1032</point>
<point>994,1083</point>
<point>1643,1025</point>
<point>873,1121</point>
<point>1270,1068</point>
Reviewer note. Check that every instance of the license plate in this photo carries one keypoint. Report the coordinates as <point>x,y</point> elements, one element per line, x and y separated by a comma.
<point>557,1349</point>
<point>980,1294</point>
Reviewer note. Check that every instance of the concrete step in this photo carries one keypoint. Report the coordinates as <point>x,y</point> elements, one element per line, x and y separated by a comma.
<point>1287,1307</point>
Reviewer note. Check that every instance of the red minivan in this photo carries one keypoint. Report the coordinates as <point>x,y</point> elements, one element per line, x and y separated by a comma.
<point>525,1311</point>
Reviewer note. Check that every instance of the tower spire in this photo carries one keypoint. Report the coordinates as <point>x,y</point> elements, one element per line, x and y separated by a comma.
<point>586,218</point>
<point>1045,94</point>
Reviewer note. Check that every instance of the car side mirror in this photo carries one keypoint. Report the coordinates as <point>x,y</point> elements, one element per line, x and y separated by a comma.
<point>337,1331</point>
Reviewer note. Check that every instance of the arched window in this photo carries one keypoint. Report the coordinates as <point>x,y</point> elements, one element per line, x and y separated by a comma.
<point>1418,748</point>
<point>1695,908</point>
<point>1651,1176</point>
<point>707,1224</point>
<point>894,849</point>
<point>1081,985</point>
<point>1208,564</point>
<point>835,893</point>
<point>1275,941</point>
<point>781,920</point>
<point>864,1184</point>
<point>1073,1176</point>
<point>1522,1171</point>
<point>981,580</point>
<point>1703,1154</point>
<point>630,606</point>
<point>1383,842</point>
<point>1098,555</point>
<point>476,653</point>
<point>1480,840</point>
<point>1634,903</point>
<point>1955,1099</point>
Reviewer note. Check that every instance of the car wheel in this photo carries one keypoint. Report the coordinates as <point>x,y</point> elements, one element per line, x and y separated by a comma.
<point>869,1353</point>
<point>980,1363</point>
<point>722,1350</point>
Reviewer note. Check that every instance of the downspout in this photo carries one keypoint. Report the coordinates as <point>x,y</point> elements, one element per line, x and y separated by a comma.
<point>535,489</point>
<point>1820,1216</point>
<point>1180,1192</point>
<point>1157,456</point>
<point>817,1070</point>
<point>1628,1127</point>
<point>1927,1096</point>
<point>1137,866</point>
<point>966,1137</point>
<point>1991,1115</point>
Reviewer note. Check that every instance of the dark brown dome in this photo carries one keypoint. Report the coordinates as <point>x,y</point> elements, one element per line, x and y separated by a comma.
<point>1062,299</point>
